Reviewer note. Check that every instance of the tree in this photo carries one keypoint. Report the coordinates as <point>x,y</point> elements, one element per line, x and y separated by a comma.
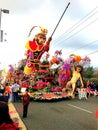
<point>88,72</point>
<point>96,74</point>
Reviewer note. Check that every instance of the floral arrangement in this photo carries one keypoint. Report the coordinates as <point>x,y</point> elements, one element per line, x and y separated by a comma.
<point>56,59</point>
<point>85,61</point>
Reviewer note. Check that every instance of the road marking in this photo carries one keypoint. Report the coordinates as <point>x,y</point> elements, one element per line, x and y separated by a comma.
<point>80,108</point>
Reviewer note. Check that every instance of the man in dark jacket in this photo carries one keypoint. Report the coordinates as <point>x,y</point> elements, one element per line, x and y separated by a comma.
<point>25,101</point>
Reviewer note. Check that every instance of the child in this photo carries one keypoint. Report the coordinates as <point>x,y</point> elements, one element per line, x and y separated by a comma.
<point>75,76</point>
<point>25,101</point>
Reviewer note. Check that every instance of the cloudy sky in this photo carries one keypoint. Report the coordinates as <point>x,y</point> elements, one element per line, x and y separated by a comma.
<point>77,31</point>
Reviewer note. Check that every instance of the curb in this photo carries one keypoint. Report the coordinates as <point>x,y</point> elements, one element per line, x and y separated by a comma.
<point>15,116</point>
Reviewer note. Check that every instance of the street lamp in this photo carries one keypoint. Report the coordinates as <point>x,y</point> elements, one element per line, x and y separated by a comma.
<point>1,31</point>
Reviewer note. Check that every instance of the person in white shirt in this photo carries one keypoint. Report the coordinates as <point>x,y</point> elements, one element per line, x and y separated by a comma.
<point>15,90</point>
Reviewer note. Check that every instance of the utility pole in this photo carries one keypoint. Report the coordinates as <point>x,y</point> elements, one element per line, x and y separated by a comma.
<point>1,31</point>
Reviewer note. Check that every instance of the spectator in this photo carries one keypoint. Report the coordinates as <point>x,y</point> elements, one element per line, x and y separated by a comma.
<point>7,92</point>
<point>6,123</point>
<point>88,83</point>
<point>25,101</point>
<point>15,90</point>
<point>10,95</point>
<point>5,96</point>
<point>94,86</point>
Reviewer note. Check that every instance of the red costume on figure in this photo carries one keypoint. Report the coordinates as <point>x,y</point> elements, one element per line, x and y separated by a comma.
<point>35,49</point>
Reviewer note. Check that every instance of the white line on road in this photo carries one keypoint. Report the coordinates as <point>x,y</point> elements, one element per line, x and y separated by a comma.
<point>80,108</point>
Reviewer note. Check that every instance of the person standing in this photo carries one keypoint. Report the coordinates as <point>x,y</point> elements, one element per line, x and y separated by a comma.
<point>15,90</point>
<point>5,96</point>
<point>25,101</point>
<point>6,93</point>
<point>10,95</point>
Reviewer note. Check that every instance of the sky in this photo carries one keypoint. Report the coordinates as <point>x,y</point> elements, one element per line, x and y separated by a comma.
<point>77,32</point>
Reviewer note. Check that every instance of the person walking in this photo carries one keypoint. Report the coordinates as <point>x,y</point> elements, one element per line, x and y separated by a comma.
<point>25,101</point>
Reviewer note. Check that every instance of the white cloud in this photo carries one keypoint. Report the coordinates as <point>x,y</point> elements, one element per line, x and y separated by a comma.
<point>46,13</point>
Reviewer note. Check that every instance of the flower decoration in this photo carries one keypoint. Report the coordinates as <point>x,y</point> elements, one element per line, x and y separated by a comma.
<point>86,60</point>
<point>66,66</point>
<point>58,52</point>
<point>54,59</point>
<point>69,60</point>
<point>11,69</point>
<point>77,58</point>
<point>60,59</point>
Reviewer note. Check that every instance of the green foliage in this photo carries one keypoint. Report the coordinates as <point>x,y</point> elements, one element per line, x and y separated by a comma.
<point>30,90</point>
<point>88,72</point>
<point>47,89</point>
<point>45,62</point>
<point>21,67</point>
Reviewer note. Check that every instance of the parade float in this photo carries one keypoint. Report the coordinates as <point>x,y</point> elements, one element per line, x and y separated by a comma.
<point>44,82</point>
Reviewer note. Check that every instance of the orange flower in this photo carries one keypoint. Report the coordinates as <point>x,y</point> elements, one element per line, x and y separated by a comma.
<point>54,59</point>
<point>9,75</point>
<point>77,58</point>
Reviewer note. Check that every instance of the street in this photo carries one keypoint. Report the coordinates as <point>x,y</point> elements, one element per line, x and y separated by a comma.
<point>67,114</point>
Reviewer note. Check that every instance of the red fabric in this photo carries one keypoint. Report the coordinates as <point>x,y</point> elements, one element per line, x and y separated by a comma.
<point>34,46</point>
<point>46,47</point>
<point>6,126</point>
<point>26,99</point>
<point>7,88</point>
<point>97,113</point>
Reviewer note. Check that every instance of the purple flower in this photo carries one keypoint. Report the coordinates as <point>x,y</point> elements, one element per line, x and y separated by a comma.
<point>86,60</point>
<point>69,60</point>
<point>66,67</point>
<point>11,69</point>
<point>58,52</point>
<point>59,59</point>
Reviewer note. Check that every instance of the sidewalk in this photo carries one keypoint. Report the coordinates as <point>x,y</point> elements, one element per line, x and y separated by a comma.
<point>14,115</point>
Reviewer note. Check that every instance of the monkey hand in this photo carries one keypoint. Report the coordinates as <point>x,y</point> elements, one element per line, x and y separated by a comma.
<point>49,39</point>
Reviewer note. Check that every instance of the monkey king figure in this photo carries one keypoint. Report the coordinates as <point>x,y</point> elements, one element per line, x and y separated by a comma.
<point>35,49</point>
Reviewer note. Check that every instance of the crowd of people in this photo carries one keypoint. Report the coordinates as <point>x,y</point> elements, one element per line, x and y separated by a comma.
<point>10,92</point>
<point>92,88</point>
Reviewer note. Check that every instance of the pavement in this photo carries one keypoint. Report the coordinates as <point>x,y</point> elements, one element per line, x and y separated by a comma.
<point>16,117</point>
<point>57,115</point>
<point>65,114</point>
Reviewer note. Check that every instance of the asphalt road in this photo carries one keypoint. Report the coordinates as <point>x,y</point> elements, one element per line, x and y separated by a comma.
<point>62,115</point>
